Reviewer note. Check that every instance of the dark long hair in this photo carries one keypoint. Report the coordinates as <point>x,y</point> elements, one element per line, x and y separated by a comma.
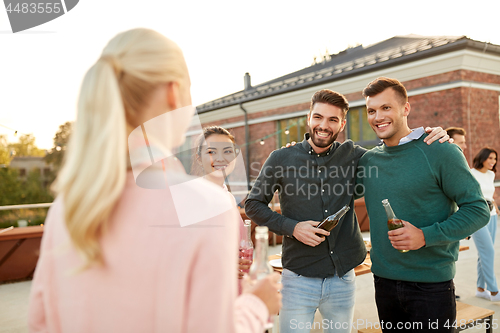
<point>482,156</point>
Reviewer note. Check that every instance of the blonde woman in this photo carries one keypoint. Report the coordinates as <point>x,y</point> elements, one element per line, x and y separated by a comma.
<point>114,257</point>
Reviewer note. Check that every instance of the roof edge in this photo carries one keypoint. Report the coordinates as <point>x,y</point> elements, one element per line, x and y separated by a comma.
<point>462,43</point>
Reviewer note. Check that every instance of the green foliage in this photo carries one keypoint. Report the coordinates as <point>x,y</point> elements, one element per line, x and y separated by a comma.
<point>4,151</point>
<point>26,190</point>
<point>14,191</point>
<point>56,155</point>
<point>26,146</point>
<point>10,187</point>
<point>34,190</point>
<point>32,216</point>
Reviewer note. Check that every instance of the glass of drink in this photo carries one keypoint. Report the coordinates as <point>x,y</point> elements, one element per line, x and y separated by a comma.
<point>246,246</point>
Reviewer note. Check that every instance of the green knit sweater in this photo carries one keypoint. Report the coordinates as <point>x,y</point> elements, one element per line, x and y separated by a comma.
<point>422,183</point>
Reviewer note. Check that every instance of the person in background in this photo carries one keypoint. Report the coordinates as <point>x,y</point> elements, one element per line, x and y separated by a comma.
<point>114,257</point>
<point>484,168</point>
<point>458,136</point>
<point>415,288</point>
<point>215,161</point>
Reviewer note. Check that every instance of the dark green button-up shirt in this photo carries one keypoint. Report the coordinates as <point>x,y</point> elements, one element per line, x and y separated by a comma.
<point>311,187</point>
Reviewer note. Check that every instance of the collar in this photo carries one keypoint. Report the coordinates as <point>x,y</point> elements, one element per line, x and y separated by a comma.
<point>310,149</point>
<point>414,135</point>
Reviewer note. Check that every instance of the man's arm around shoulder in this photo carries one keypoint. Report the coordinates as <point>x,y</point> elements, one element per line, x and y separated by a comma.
<point>457,182</point>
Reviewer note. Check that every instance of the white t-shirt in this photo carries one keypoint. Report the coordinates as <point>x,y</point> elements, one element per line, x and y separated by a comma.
<point>486,180</point>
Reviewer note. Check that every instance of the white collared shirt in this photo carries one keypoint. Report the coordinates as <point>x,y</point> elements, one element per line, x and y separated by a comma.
<point>414,135</point>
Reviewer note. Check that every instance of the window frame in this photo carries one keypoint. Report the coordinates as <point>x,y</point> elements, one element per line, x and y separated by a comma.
<point>362,116</point>
<point>290,123</point>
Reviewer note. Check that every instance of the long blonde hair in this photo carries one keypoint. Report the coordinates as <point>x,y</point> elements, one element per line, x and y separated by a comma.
<point>114,91</point>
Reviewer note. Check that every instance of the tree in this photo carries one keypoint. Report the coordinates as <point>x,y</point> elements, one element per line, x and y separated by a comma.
<point>10,187</point>
<point>4,151</point>
<point>56,154</point>
<point>14,191</point>
<point>26,146</point>
<point>34,190</point>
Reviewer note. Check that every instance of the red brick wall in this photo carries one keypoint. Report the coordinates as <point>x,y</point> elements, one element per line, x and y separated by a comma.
<point>458,75</point>
<point>442,108</point>
<point>450,108</point>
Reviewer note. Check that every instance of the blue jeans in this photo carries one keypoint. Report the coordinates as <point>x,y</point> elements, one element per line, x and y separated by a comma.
<point>484,239</point>
<point>418,307</point>
<point>333,296</point>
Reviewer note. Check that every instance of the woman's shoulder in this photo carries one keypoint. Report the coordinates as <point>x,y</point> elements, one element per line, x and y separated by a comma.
<point>488,173</point>
<point>491,174</point>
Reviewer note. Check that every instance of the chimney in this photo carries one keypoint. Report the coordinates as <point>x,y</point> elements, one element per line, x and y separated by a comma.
<point>247,82</point>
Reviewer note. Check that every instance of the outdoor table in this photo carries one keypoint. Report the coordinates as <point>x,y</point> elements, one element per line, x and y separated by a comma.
<point>364,268</point>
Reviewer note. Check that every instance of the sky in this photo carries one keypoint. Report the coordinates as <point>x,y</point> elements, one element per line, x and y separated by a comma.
<point>41,69</point>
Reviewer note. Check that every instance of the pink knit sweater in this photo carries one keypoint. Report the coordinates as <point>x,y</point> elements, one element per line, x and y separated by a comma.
<point>157,277</point>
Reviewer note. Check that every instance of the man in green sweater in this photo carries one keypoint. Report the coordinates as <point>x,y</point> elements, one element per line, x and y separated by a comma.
<point>414,291</point>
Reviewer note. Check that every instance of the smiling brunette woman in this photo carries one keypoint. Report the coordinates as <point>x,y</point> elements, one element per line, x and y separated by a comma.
<point>215,160</point>
<point>484,169</point>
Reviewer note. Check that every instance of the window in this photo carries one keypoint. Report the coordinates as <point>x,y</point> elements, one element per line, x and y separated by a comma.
<point>22,172</point>
<point>186,152</point>
<point>46,171</point>
<point>296,127</point>
<point>358,129</point>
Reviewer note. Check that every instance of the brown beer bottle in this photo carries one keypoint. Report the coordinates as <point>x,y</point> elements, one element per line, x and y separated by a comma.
<point>392,221</point>
<point>331,221</point>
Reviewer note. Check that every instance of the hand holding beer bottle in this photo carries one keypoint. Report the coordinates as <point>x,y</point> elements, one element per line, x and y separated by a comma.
<point>392,221</point>
<point>331,221</point>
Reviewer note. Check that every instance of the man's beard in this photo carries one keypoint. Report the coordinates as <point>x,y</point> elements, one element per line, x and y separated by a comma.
<point>322,143</point>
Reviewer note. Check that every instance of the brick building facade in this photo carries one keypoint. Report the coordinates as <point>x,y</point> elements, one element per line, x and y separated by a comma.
<point>451,81</point>
<point>27,164</point>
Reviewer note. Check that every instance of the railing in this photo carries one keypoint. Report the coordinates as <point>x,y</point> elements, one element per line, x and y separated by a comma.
<point>27,206</point>
<point>20,248</point>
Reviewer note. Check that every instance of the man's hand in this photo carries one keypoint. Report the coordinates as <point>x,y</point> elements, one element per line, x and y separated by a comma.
<point>436,133</point>
<point>288,145</point>
<point>306,233</point>
<point>407,238</point>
